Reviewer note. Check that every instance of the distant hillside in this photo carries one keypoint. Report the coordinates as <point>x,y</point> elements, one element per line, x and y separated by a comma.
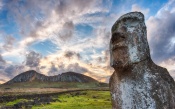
<point>32,75</point>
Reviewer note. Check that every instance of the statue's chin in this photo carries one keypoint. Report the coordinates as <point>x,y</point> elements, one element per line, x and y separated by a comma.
<point>117,65</point>
<point>121,66</point>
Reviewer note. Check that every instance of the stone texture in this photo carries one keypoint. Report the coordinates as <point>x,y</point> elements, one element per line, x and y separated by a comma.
<point>137,82</point>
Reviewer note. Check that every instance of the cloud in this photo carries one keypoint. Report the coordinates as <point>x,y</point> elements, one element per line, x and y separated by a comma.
<point>48,17</point>
<point>8,43</point>
<point>12,70</point>
<point>2,61</point>
<point>161,37</point>
<point>172,72</point>
<point>169,64</point>
<point>57,63</point>
<point>1,5</point>
<point>103,37</point>
<point>2,81</point>
<point>76,68</point>
<point>33,59</point>
<point>53,20</point>
<point>53,70</point>
<point>42,67</point>
<point>70,54</point>
<point>3,78</point>
<point>61,68</point>
<point>136,7</point>
<point>161,34</point>
<point>67,31</point>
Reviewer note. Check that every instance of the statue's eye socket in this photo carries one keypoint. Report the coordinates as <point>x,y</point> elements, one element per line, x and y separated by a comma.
<point>114,37</point>
<point>122,36</point>
<point>117,37</point>
<point>123,28</point>
<point>114,34</point>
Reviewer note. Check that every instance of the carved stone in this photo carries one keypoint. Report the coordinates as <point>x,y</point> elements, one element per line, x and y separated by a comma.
<point>137,82</point>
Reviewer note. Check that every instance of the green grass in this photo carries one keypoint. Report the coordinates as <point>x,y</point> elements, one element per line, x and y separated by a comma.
<point>15,102</point>
<point>38,84</point>
<point>83,100</point>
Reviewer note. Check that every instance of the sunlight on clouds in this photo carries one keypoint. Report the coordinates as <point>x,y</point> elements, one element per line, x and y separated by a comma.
<point>169,64</point>
<point>95,70</point>
<point>75,50</point>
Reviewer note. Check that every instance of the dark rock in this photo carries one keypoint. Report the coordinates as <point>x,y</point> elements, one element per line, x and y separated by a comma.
<point>107,100</point>
<point>19,105</point>
<point>7,107</point>
<point>137,82</point>
<point>36,102</point>
<point>45,99</point>
<point>77,93</point>
<point>30,103</point>
<point>59,100</point>
<point>28,107</point>
<point>7,88</point>
<point>94,96</point>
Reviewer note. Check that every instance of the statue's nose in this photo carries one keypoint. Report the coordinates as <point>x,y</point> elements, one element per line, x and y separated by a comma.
<point>117,36</point>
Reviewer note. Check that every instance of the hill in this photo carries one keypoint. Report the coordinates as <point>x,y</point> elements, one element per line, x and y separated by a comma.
<point>33,79</point>
<point>30,76</point>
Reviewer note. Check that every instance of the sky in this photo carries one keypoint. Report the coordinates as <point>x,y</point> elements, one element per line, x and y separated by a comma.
<point>57,36</point>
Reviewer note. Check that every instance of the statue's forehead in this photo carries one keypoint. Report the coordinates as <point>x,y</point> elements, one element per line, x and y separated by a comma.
<point>137,16</point>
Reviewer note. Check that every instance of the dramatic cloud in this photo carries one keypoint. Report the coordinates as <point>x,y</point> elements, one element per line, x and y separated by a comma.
<point>161,34</point>
<point>9,71</point>
<point>161,37</point>
<point>169,64</point>
<point>49,17</point>
<point>76,68</point>
<point>67,31</point>
<point>53,70</point>
<point>74,35</point>
<point>70,54</point>
<point>33,59</point>
<point>1,5</point>
<point>61,68</point>
<point>8,43</point>
<point>2,61</point>
<point>2,81</point>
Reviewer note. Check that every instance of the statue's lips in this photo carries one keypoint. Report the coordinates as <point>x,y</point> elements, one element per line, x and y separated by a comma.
<point>118,45</point>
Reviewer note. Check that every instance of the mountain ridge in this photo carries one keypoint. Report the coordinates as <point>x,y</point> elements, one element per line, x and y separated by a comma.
<point>32,75</point>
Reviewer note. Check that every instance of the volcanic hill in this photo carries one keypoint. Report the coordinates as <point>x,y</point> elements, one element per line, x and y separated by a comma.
<point>32,75</point>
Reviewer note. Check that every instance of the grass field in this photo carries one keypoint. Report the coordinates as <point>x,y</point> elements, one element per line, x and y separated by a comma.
<point>36,87</point>
<point>66,95</point>
<point>80,100</point>
<point>39,84</point>
<point>71,100</point>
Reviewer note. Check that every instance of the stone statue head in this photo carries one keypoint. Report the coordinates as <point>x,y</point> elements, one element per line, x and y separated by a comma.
<point>128,44</point>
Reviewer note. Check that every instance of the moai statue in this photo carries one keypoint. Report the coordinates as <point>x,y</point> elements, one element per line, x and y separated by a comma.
<point>137,82</point>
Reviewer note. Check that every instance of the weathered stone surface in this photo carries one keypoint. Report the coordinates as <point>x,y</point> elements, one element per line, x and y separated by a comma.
<point>137,83</point>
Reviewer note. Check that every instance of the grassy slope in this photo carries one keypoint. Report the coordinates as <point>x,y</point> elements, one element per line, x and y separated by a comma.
<point>37,84</point>
<point>37,87</point>
<point>90,100</point>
